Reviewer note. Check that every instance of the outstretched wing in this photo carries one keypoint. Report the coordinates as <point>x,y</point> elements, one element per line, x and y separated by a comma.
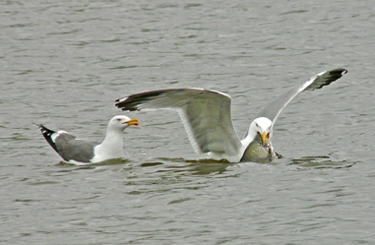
<point>206,115</point>
<point>275,107</point>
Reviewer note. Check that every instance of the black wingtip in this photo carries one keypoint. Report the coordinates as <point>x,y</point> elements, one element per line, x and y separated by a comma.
<point>126,104</point>
<point>326,78</point>
<point>132,102</point>
<point>339,72</point>
<point>47,133</point>
<point>336,73</point>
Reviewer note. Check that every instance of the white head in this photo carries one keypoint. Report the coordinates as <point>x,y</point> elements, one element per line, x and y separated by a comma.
<point>261,126</point>
<point>121,122</point>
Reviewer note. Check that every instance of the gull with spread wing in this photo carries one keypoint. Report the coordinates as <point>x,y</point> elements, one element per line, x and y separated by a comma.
<point>206,115</point>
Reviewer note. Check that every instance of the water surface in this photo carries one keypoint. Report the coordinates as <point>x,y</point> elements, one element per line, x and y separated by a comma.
<point>64,64</point>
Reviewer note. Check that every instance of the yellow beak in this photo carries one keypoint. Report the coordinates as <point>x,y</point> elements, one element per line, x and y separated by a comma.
<point>263,137</point>
<point>132,121</point>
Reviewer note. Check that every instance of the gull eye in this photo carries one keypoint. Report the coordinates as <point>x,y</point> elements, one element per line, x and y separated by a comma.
<point>256,124</point>
<point>268,136</point>
<point>119,119</point>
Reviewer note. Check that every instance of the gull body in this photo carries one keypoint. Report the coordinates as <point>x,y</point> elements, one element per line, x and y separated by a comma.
<point>75,150</point>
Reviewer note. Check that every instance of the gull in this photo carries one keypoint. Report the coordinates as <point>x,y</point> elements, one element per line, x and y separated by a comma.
<point>75,150</point>
<point>206,115</point>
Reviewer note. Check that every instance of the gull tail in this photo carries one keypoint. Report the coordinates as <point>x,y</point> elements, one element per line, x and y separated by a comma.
<point>47,133</point>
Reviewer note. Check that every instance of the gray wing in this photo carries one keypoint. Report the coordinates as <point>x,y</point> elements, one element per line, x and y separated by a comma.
<point>205,114</point>
<point>69,148</point>
<point>275,107</point>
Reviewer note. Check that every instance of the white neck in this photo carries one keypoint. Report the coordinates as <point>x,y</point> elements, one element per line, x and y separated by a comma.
<point>111,147</point>
<point>246,141</point>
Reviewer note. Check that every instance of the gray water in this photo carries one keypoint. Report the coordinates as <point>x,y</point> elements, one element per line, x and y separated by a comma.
<point>64,64</point>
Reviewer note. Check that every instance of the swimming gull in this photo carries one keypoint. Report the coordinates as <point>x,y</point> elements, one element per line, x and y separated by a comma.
<point>74,150</point>
<point>206,115</point>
